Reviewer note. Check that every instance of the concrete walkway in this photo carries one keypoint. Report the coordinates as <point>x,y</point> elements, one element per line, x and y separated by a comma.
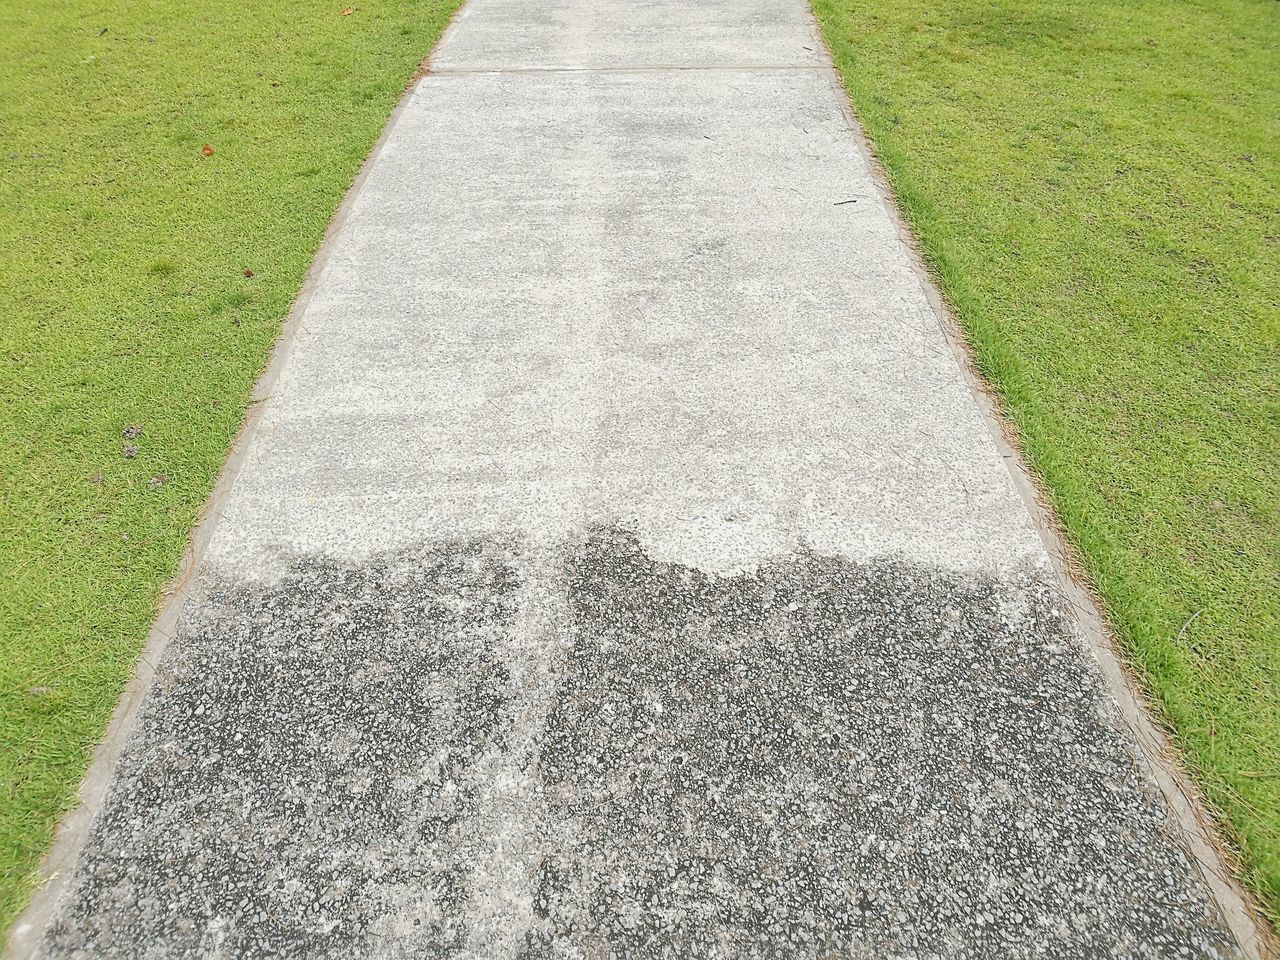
<point>622,565</point>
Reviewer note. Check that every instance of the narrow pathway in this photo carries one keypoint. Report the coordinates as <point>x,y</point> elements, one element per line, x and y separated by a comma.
<point>622,566</point>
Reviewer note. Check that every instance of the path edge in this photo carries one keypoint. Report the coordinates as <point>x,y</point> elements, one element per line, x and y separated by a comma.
<point>58,864</point>
<point>1197,824</point>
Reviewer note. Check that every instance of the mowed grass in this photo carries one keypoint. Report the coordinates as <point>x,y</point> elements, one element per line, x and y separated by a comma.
<point>1095,183</point>
<point>125,302</point>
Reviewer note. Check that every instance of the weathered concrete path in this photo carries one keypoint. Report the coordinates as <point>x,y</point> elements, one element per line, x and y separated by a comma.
<point>622,566</point>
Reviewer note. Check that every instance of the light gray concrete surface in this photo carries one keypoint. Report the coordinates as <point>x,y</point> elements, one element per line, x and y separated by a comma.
<point>506,35</point>
<point>648,303</point>
<point>622,566</point>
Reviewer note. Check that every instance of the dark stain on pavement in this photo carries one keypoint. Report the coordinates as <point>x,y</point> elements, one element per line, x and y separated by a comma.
<point>824,758</point>
<point>817,758</point>
<point>296,772</point>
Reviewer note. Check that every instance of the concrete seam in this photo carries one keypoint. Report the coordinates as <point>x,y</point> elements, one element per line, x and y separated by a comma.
<point>493,71</point>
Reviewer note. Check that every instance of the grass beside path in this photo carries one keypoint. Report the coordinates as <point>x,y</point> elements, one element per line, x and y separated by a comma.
<point>1096,184</point>
<point>142,284</point>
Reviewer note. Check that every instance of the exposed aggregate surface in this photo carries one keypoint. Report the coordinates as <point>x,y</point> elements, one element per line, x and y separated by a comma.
<point>483,749</point>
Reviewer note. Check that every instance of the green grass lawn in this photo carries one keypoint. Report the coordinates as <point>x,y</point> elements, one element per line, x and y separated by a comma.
<point>126,300</point>
<point>1096,185</point>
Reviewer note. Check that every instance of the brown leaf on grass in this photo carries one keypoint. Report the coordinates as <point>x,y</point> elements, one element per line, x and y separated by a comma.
<point>206,151</point>
<point>248,272</point>
<point>348,11</point>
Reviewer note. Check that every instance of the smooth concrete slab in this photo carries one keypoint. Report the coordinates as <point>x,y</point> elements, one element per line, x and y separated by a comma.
<point>622,566</point>
<point>511,35</point>
<point>653,286</point>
